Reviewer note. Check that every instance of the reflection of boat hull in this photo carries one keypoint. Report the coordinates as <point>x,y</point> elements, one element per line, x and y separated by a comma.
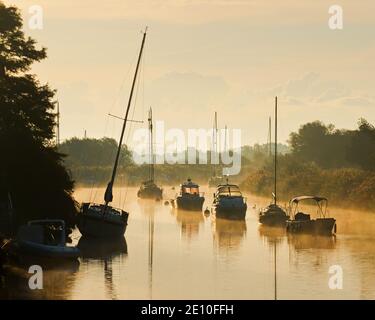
<point>95,249</point>
<point>308,241</point>
<point>273,216</point>
<point>228,233</point>
<point>100,222</point>
<point>236,211</point>
<point>318,226</point>
<point>190,203</point>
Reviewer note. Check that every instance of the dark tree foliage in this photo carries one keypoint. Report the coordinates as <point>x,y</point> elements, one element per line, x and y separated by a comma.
<point>31,169</point>
<point>361,151</point>
<point>94,152</point>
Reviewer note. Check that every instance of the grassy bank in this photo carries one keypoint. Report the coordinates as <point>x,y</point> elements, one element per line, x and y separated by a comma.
<point>344,187</point>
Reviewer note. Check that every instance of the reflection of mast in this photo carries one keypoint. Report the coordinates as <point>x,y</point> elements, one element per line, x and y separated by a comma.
<point>275,269</point>
<point>108,278</point>
<point>151,227</point>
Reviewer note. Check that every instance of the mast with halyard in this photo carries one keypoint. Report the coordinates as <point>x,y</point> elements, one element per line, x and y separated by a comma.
<point>108,195</point>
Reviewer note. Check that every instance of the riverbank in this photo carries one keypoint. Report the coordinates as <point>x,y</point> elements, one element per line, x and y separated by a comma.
<point>344,187</point>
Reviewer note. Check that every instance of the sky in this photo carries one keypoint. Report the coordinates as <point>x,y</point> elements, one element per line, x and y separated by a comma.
<point>203,56</point>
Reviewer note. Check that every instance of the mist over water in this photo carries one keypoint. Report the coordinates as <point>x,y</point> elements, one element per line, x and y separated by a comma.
<point>171,254</point>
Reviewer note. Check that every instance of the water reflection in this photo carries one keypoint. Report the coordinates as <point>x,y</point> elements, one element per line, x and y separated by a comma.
<point>148,209</point>
<point>189,221</point>
<point>101,249</point>
<point>58,282</point>
<point>306,241</point>
<point>104,251</point>
<point>272,235</point>
<point>228,234</point>
<point>185,255</point>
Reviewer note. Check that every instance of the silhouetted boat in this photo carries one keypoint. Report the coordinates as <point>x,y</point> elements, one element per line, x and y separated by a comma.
<point>149,189</point>
<point>302,223</point>
<point>229,203</point>
<point>45,239</point>
<point>274,215</point>
<point>190,198</point>
<point>102,220</point>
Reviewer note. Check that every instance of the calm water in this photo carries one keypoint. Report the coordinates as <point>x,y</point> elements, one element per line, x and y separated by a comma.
<point>169,254</point>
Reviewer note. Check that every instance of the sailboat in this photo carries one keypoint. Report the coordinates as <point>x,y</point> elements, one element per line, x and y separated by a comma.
<point>274,215</point>
<point>215,180</point>
<point>149,189</point>
<point>102,220</point>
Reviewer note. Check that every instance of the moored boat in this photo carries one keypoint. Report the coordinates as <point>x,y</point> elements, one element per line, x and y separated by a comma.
<point>229,203</point>
<point>149,189</point>
<point>301,222</point>
<point>190,198</point>
<point>41,239</point>
<point>273,215</point>
<point>101,221</point>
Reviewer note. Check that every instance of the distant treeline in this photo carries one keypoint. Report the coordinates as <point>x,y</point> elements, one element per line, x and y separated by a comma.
<point>319,159</point>
<point>339,164</point>
<point>90,161</point>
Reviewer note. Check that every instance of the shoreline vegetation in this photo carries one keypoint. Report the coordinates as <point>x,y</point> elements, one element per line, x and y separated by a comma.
<point>32,172</point>
<point>318,160</point>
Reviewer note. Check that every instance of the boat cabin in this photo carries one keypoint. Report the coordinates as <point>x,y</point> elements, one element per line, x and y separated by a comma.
<point>228,190</point>
<point>190,188</point>
<point>47,232</point>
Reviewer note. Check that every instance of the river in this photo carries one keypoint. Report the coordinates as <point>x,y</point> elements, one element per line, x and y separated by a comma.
<point>167,254</point>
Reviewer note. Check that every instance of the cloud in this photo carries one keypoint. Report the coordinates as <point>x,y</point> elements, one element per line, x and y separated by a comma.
<point>188,89</point>
<point>358,101</point>
<point>312,90</point>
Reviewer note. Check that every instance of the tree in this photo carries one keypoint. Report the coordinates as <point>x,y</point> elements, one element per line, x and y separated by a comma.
<point>31,169</point>
<point>361,151</point>
<point>320,143</point>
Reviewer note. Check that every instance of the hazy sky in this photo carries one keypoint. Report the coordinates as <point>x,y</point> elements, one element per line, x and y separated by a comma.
<point>207,55</point>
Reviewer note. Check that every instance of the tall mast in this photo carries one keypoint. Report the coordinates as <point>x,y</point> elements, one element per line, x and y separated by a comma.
<point>151,168</point>
<point>269,139</point>
<point>216,153</point>
<point>275,150</point>
<point>58,123</point>
<point>225,139</point>
<point>108,196</point>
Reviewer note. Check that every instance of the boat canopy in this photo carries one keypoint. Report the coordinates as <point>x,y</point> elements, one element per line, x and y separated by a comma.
<point>302,198</point>
<point>229,190</point>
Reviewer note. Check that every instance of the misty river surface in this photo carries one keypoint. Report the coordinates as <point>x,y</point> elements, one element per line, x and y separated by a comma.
<point>169,254</point>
